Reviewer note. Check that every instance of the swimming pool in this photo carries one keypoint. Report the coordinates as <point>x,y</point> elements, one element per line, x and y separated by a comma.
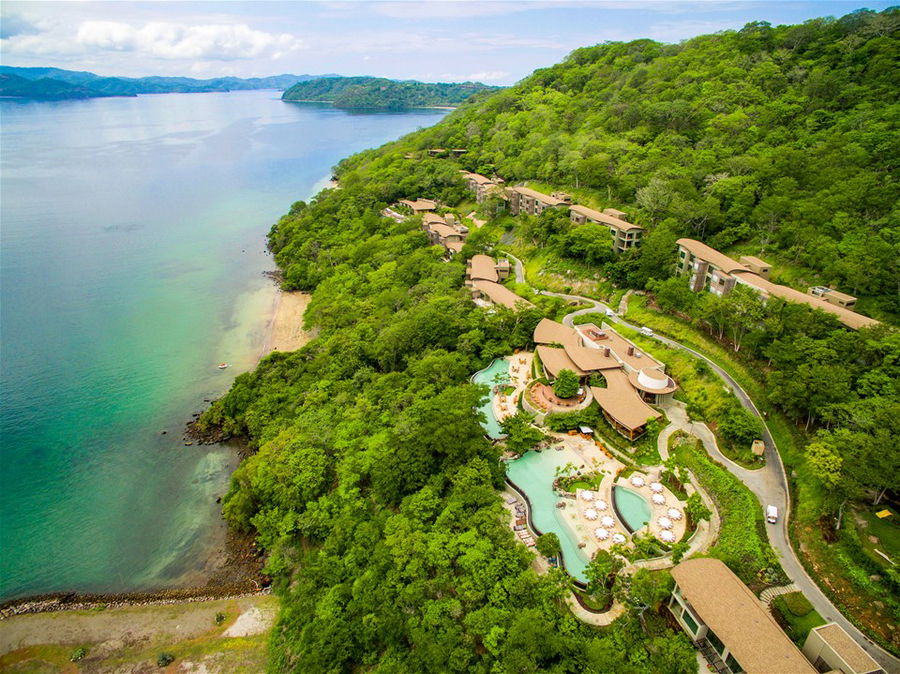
<point>533,474</point>
<point>495,373</point>
<point>631,507</point>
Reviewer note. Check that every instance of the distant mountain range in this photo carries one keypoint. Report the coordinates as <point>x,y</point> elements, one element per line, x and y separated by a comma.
<point>58,84</point>
<point>381,93</point>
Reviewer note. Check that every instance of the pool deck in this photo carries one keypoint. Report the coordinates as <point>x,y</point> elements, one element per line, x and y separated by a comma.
<point>679,527</point>
<point>519,370</point>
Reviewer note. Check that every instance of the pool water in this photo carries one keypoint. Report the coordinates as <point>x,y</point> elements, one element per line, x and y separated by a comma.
<point>533,474</point>
<point>495,373</point>
<point>631,507</point>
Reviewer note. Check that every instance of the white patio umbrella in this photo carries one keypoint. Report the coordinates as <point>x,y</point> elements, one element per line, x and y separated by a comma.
<point>664,522</point>
<point>590,513</point>
<point>674,513</point>
<point>658,499</point>
<point>637,481</point>
<point>667,536</point>
<point>587,495</point>
<point>601,504</point>
<point>618,538</point>
<point>607,521</point>
<point>656,487</point>
<point>601,533</point>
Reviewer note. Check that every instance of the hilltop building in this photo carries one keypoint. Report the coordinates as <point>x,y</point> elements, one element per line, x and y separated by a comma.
<point>732,628</point>
<point>419,205</point>
<point>708,269</point>
<point>632,378</point>
<point>625,234</point>
<point>444,232</point>
<point>483,187</point>
<point>483,276</point>
<point>532,202</point>
<point>831,649</point>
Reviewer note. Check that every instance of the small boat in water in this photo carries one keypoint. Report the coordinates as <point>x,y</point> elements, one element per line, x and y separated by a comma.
<point>222,366</point>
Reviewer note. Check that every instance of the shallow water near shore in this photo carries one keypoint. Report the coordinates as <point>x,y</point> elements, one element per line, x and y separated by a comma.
<point>131,264</point>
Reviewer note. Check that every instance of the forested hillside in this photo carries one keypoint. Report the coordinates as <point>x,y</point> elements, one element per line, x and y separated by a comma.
<point>56,83</point>
<point>785,137</point>
<point>374,490</point>
<point>376,92</point>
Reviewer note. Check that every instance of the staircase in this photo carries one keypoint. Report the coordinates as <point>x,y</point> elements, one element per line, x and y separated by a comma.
<point>770,593</point>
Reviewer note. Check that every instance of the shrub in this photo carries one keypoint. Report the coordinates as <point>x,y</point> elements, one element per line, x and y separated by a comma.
<point>165,659</point>
<point>220,618</point>
<point>78,654</point>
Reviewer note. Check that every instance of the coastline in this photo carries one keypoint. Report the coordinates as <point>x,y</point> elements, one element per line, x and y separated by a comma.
<point>235,568</point>
<point>284,328</point>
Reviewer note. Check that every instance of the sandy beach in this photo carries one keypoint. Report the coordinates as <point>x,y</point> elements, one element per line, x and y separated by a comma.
<point>286,331</point>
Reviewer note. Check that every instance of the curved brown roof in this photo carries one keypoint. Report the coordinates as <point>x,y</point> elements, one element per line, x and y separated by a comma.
<point>586,358</point>
<point>540,196</point>
<point>711,255</point>
<point>482,267</point>
<point>738,618</point>
<point>502,295</point>
<point>555,360</point>
<point>620,401</point>
<point>443,230</point>
<point>849,318</point>
<point>606,219</point>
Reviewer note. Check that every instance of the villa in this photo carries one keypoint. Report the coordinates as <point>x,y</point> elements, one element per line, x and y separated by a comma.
<point>483,276</point>
<point>708,269</point>
<point>625,235</point>
<point>419,205</point>
<point>445,232</point>
<point>532,202</point>
<point>632,378</point>
<point>481,186</point>
<point>731,626</point>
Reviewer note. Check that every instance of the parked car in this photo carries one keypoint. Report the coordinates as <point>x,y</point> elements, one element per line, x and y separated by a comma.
<point>610,313</point>
<point>771,514</point>
<point>646,331</point>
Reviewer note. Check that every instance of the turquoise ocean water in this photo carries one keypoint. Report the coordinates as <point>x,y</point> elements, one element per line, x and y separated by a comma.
<point>132,237</point>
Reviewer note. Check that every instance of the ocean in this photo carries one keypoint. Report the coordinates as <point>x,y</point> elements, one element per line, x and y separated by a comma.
<point>132,252</point>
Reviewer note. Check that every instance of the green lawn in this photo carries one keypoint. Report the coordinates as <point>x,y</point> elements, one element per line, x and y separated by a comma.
<point>886,531</point>
<point>799,615</point>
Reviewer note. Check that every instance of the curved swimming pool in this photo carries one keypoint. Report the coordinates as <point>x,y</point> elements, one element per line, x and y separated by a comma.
<point>495,373</point>
<point>533,474</point>
<point>632,508</point>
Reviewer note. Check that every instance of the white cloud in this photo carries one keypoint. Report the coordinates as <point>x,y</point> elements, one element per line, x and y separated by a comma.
<point>223,42</point>
<point>488,76</point>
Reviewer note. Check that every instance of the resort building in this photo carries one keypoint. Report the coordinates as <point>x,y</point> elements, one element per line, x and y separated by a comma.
<point>532,202</point>
<point>632,378</point>
<point>708,269</point>
<point>483,276</point>
<point>624,234</point>
<point>831,649</point>
<point>419,205</point>
<point>442,233</point>
<point>732,628</point>
<point>489,292</point>
<point>486,268</point>
<point>836,298</point>
<point>483,187</point>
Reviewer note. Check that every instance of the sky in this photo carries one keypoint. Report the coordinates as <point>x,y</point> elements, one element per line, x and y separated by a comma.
<point>496,42</point>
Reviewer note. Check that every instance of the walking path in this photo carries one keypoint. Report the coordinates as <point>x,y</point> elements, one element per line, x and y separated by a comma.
<point>768,483</point>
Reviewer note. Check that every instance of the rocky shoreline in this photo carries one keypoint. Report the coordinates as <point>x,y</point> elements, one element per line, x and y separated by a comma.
<point>240,575</point>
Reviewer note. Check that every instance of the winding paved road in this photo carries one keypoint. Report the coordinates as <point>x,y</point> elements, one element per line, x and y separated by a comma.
<point>769,483</point>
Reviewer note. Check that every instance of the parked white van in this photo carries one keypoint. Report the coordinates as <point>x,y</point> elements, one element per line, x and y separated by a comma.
<point>646,331</point>
<point>771,514</point>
